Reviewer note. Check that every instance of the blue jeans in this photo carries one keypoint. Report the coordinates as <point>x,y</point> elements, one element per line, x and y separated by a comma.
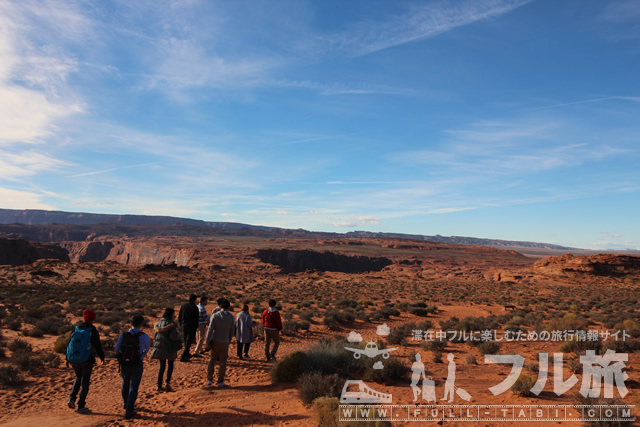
<point>83,379</point>
<point>131,377</point>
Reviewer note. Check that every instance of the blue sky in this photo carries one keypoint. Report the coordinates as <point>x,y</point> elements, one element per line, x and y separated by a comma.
<point>515,120</point>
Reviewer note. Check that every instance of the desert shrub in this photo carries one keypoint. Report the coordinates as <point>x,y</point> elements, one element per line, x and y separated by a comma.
<point>397,336</point>
<point>532,367</point>
<point>326,410</point>
<point>578,347</point>
<point>35,333</point>
<point>437,357</point>
<point>569,322</point>
<point>312,385</point>
<point>304,325</point>
<point>306,316</point>
<point>19,344</point>
<point>394,370</point>
<point>402,306</point>
<point>334,318</point>
<point>347,302</point>
<point>60,346</point>
<point>364,317</point>
<point>52,360</point>
<point>111,318</point>
<point>330,357</point>
<point>489,347</point>
<point>51,325</point>
<point>290,327</point>
<point>9,375</point>
<point>290,367</point>
<point>471,359</point>
<point>24,360</point>
<point>418,311</point>
<point>386,312</point>
<point>14,324</point>
<point>523,385</point>
<point>435,345</point>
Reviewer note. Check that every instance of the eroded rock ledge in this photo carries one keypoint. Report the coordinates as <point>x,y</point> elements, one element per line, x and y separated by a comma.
<point>298,261</point>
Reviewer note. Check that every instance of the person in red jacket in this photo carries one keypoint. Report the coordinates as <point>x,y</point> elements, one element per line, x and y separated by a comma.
<point>272,326</point>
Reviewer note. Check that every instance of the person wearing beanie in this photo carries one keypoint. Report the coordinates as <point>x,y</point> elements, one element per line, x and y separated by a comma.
<point>83,369</point>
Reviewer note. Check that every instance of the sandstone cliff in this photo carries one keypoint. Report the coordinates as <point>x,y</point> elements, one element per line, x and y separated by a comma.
<point>21,252</point>
<point>129,253</point>
<point>590,265</point>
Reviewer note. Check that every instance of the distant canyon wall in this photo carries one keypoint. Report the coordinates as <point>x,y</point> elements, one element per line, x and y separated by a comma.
<point>299,261</point>
<point>590,265</point>
<point>128,253</point>
<point>21,252</point>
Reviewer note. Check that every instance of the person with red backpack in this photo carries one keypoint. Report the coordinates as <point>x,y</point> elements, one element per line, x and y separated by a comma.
<point>131,348</point>
<point>84,344</point>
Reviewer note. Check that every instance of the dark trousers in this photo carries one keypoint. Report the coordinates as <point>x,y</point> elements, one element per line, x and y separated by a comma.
<point>243,348</point>
<point>189,339</point>
<point>83,379</point>
<point>131,377</point>
<point>163,366</point>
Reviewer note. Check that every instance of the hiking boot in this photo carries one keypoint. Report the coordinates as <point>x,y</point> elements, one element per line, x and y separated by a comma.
<point>71,404</point>
<point>160,388</point>
<point>129,414</point>
<point>209,382</point>
<point>168,388</point>
<point>83,410</point>
<point>246,356</point>
<point>222,385</point>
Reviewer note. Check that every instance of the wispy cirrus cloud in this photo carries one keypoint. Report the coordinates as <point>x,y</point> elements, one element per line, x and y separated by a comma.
<point>419,22</point>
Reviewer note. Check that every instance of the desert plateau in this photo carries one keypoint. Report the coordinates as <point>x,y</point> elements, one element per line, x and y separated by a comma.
<point>327,289</point>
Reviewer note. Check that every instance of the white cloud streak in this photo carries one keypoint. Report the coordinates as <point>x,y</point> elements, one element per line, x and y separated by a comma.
<point>420,22</point>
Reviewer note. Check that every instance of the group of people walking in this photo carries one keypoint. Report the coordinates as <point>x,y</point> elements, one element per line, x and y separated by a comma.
<point>211,333</point>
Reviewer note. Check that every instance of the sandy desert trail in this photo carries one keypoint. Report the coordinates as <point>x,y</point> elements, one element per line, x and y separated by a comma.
<point>251,400</point>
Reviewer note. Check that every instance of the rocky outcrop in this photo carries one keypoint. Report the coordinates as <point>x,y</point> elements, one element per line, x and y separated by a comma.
<point>138,253</point>
<point>298,261</point>
<point>21,252</point>
<point>590,265</point>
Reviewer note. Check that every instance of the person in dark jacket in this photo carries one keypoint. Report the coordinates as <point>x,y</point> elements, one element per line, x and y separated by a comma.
<point>165,346</point>
<point>83,370</point>
<point>189,318</point>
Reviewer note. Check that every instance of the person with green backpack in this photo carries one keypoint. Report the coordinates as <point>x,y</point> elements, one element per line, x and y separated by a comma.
<point>83,345</point>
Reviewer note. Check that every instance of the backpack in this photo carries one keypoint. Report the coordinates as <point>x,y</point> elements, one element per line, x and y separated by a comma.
<point>129,353</point>
<point>79,348</point>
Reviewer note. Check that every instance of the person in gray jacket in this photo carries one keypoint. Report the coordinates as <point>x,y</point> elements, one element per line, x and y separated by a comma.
<point>244,332</point>
<point>166,343</point>
<point>219,336</point>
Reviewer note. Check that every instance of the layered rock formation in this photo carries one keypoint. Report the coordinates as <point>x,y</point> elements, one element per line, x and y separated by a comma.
<point>21,252</point>
<point>298,261</point>
<point>129,253</point>
<point>590,265</point>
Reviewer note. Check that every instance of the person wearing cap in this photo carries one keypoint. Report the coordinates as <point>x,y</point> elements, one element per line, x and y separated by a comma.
<point>83,370</point>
